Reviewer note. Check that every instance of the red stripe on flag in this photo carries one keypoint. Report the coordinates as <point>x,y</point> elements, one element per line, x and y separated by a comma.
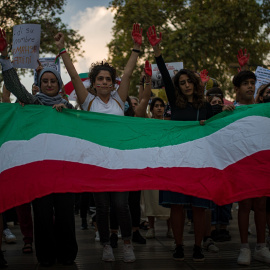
<point>69,86</point>
<point>248,178</point>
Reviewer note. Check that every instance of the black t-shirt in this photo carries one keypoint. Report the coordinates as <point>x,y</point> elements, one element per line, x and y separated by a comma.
<point>189,113</point>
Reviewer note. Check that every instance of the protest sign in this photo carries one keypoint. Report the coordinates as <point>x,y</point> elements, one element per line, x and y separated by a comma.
<point>25,46</point>
<point>173,68</point>
<point>263,77</point>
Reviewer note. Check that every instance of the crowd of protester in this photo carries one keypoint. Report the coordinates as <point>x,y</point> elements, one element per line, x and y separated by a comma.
<point>116,214</point>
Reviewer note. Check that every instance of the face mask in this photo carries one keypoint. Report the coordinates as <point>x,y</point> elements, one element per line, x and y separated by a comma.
<point>216,109</point>
<point>126,106</point>
<point>266,99</point>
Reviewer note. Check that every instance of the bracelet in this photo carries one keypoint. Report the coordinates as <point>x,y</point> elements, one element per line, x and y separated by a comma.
<point>58,55</point>
<point>137,51</point>
<point>4,57</point>
<point>147,83</point>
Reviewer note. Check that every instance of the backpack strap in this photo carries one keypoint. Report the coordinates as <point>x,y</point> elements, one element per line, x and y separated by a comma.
<point>118,103</point>
<point>90,104</point>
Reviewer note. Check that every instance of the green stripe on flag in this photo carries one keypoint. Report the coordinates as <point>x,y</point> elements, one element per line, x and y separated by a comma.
<point>24,123</point>
<point>83,75</point>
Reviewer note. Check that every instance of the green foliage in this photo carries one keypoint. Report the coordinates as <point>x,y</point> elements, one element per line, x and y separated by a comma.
<point>43,12</point>
<point>204,34</point>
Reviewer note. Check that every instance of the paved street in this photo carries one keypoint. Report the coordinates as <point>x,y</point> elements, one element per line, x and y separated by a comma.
<point>156,254</point>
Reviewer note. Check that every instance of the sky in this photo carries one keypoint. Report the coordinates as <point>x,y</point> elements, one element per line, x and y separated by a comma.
<point>93,21</point>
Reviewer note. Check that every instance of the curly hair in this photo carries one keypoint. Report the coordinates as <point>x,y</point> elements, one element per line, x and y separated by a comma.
<point>198,96</point>
<point>97,67</point>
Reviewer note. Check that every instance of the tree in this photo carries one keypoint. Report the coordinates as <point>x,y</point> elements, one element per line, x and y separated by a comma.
<point>204,34</point>
<point>43,12</point>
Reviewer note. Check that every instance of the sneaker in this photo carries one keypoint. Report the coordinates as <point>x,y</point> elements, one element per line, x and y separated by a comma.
<point>144,226</point>
<point>150,233</point>
<point>84,225</point>
<point>178,253</point>
<point>198,254</point>
<point>169,234</point>
<point>210,246</point>
<point>262,255</point>
<point>137,238</point>
<point>114,240</point>
<point>128,255</point>
<point>3,262</point>
<point>244,257</point>
<point>9,237</point>
<point>97,237</point>
<point>107,255</point>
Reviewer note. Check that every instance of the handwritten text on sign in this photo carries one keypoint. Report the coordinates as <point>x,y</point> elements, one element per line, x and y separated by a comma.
<point>25,47</point>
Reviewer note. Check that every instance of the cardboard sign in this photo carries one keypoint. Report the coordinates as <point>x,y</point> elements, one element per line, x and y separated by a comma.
<point>25,46</point>
<point>157,81</point>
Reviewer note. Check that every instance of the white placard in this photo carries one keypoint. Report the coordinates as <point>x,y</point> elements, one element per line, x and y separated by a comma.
<point>262,76</point>
<point>157,81</point>
<point>25,46</point>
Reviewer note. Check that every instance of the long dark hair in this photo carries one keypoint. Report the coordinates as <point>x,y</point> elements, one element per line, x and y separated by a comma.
<point>198,96</point>
<point>129,111</point>
<point>260,92</point>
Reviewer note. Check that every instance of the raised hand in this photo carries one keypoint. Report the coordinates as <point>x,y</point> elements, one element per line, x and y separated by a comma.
<point>242,57</point>
<point>59,40</point>
<point>3,41</point>
<point>152,36</point>
<point>148,69</point>
<point>39,68</point>
<point>204,76</point>
<point>137,34</point>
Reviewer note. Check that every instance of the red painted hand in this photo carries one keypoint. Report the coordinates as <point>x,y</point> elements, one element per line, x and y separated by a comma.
<point>242,57</point>
<point>148,69</point>
<point>137,34</point>
<point>152,36</point>
<point>204,77</point>
<point>3,41</point>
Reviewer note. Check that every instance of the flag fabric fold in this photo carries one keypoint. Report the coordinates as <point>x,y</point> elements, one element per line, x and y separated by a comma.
<point>43,151</point>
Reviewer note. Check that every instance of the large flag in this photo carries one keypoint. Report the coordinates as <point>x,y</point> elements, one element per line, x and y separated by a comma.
<point>44,151</point>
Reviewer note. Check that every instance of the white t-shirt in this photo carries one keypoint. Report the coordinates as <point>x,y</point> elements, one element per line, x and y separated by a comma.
<point>112,107</point>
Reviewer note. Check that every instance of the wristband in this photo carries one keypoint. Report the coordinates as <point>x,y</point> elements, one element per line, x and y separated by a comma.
<point>4,57</point>
<point>58,55</point>
<point>137,51</point>
<point>147,83</point>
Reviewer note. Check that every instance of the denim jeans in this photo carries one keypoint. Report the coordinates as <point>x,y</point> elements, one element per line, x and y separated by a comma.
<point>134,200</point>
<point>119,201</point>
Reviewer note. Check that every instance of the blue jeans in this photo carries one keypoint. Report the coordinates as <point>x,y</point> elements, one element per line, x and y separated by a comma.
<point>119,201</point>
